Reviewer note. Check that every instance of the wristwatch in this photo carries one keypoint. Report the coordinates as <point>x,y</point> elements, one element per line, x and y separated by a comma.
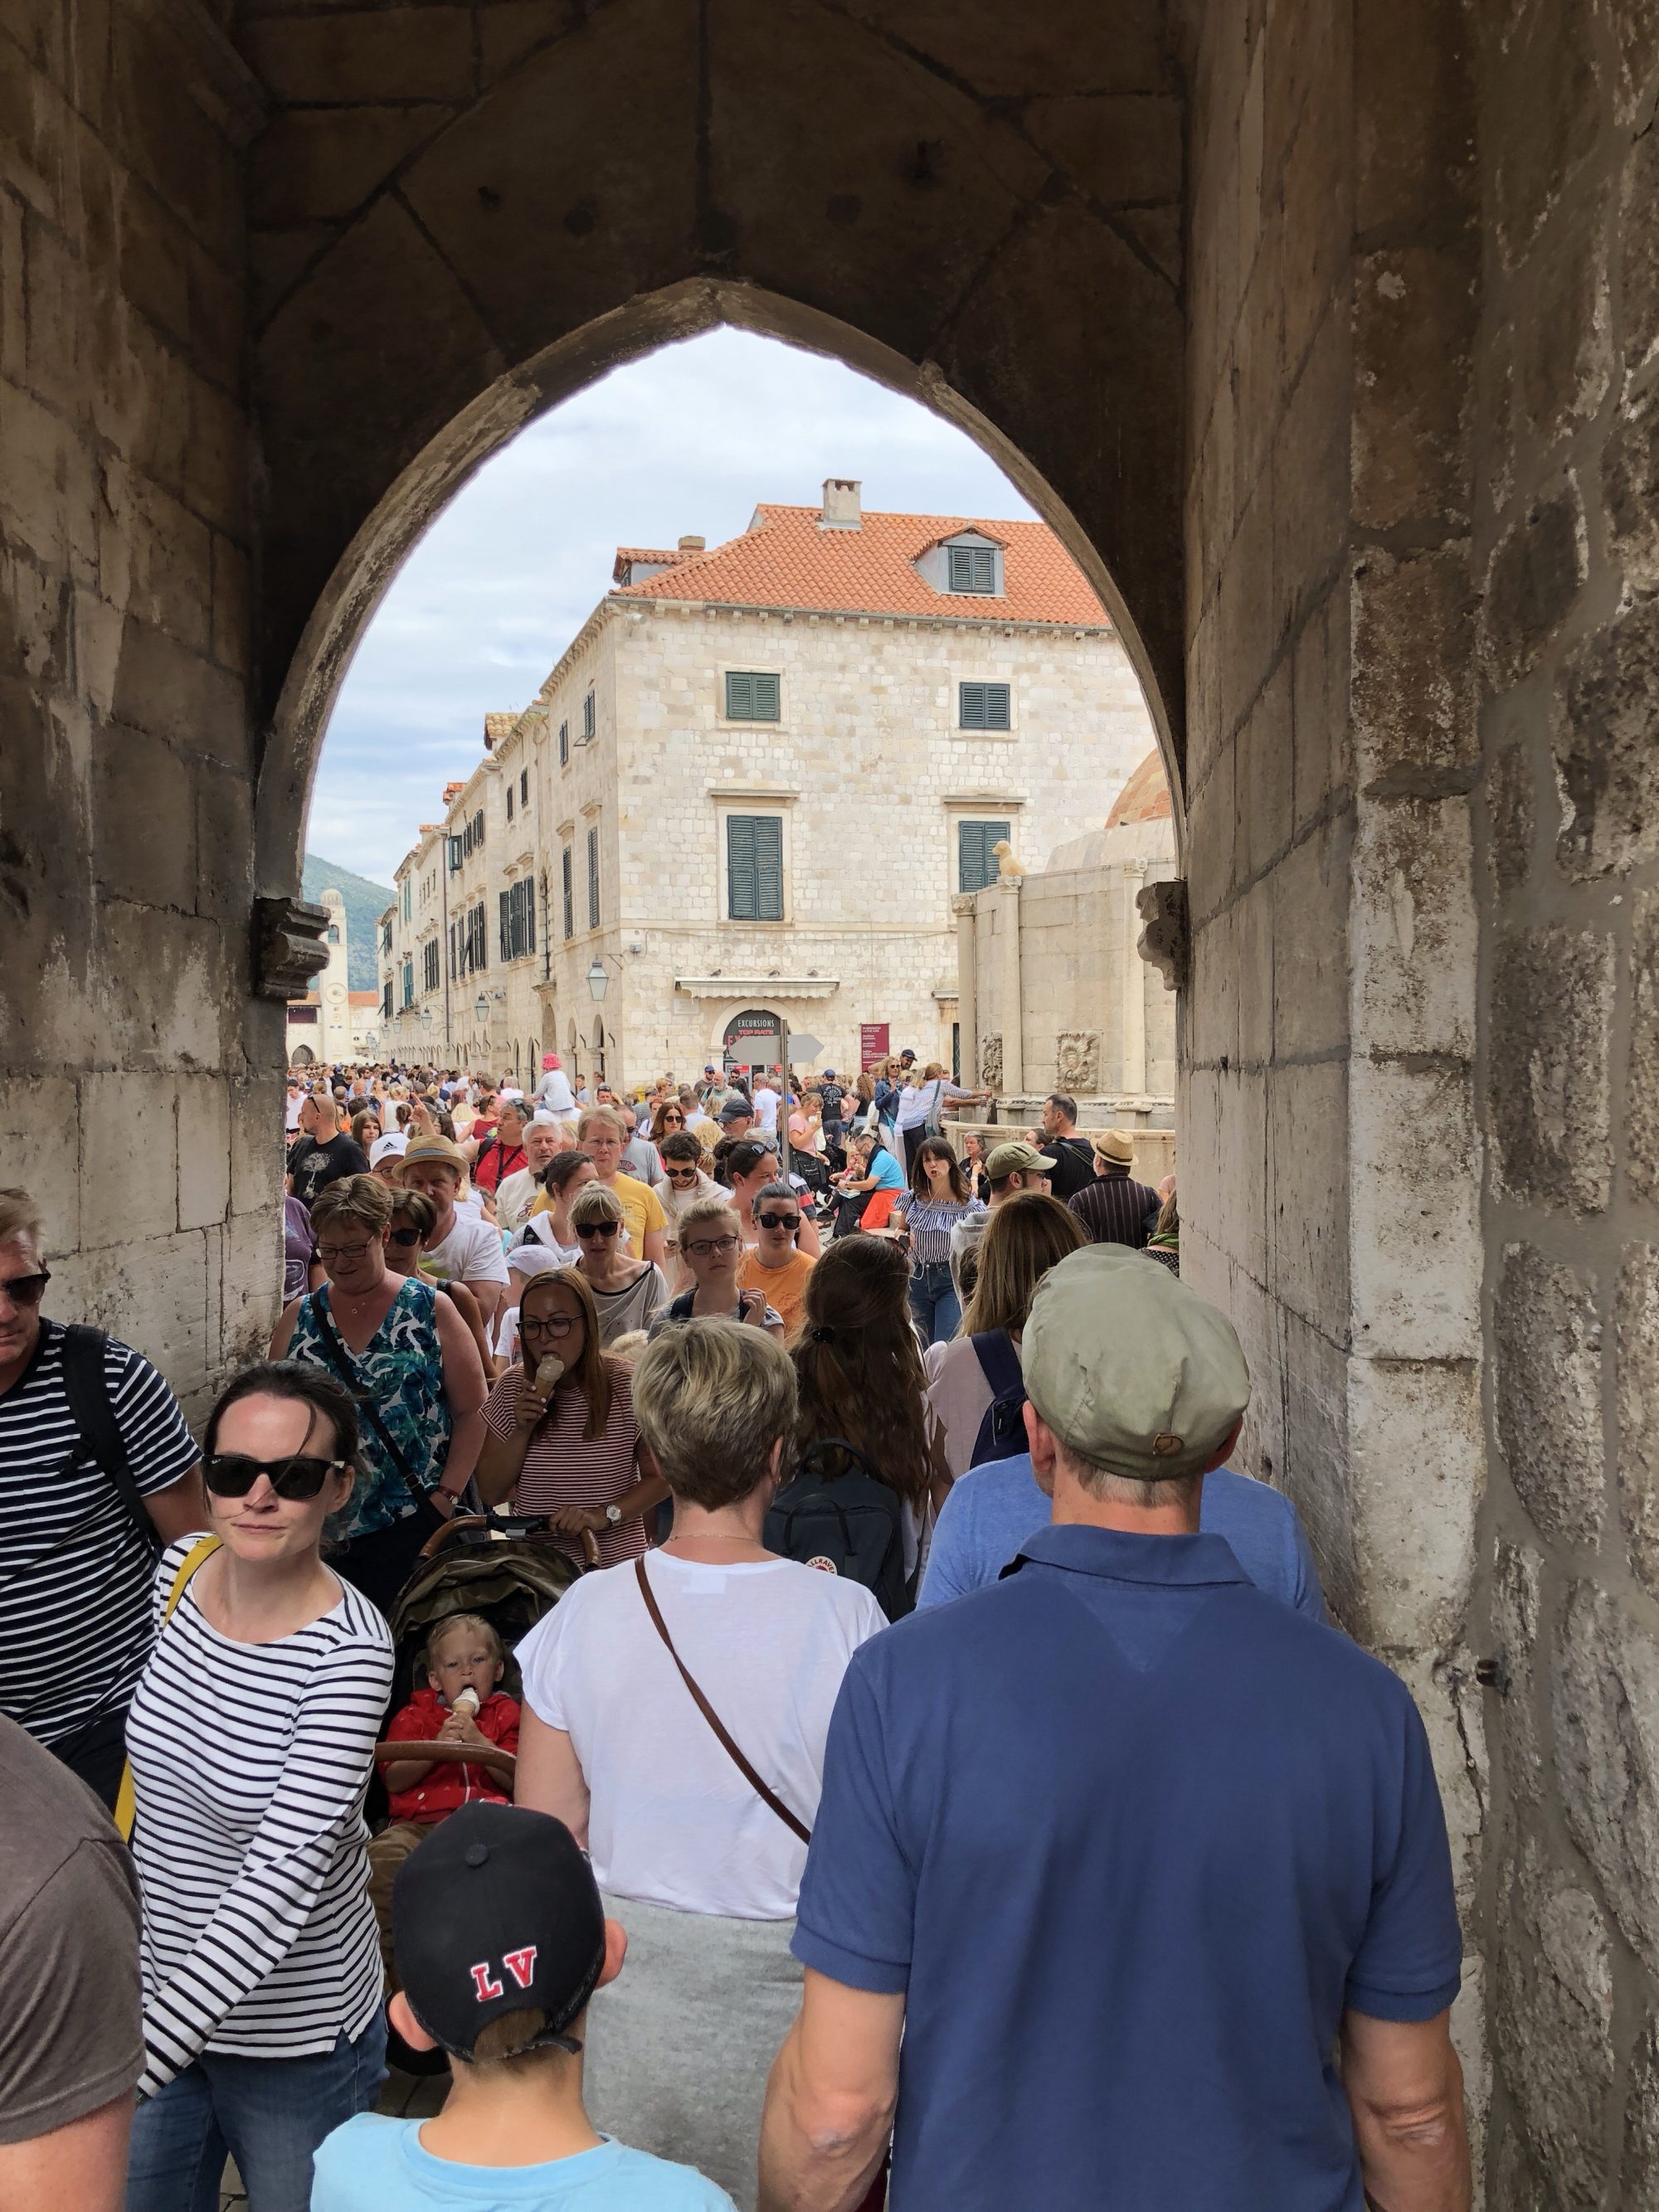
<point>613,1514</point>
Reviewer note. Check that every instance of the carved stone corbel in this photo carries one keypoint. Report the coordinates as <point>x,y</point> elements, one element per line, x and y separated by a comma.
<point>289,946</point>
<point>1166,941</point>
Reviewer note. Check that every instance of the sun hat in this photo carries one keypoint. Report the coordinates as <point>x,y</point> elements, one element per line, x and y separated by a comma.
<point>1116,1145</point>
<point>436,1148</point>
<point>1133,1370</point>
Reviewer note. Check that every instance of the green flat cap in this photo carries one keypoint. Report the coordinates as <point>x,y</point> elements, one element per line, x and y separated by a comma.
<point>1129,1368</point>
<point>1007,1159</point>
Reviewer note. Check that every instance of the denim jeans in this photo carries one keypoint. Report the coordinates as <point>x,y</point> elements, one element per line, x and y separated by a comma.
<point>269,2114</point>
<point>934,1306</point>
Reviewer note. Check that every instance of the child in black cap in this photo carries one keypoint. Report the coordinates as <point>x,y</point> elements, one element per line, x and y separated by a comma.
<point>500,1939</point>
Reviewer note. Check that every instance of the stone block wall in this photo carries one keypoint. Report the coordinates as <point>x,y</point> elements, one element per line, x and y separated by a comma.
<point>139,1087</point>
<point>1565,543</point>
<point>1329,1148</point>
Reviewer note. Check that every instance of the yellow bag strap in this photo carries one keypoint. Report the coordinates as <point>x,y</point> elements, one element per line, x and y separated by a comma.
<point>199,1554</point>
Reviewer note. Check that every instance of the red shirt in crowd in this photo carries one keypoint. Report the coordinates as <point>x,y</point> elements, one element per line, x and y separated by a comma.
<point>453,1782</point>
<point>499,1161</point>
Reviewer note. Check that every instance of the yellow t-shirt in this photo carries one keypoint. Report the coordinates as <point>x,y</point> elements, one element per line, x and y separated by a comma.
<point>642,1210</point>
<point>784,1287</point>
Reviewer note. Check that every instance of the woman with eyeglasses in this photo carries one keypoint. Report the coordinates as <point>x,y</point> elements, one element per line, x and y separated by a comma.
<point>627,1293</point>
<point>711,1243</point>
<point>252,1738</point>
<point>563,1441</point>
<point>412,1365</point>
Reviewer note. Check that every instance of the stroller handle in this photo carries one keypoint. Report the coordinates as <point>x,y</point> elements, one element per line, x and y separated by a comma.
<point>452,1528</point>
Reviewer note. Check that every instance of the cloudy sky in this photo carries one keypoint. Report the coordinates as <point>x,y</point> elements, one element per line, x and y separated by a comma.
<point>690,439</point>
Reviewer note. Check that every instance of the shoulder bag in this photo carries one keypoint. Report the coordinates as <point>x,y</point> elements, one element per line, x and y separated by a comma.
<point>768,1797</point>
<point>341,1361</point>
<point>126,1803</point>
<point>87,1388</point>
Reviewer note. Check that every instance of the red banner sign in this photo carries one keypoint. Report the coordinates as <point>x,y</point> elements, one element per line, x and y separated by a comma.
<point>873,1044</point>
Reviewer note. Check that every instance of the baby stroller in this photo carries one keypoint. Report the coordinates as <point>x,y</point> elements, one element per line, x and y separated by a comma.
<point>502,1566</point>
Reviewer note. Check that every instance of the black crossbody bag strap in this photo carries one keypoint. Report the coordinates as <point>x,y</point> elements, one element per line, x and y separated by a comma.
<point>340,1360</point>
<point>87,1388</point>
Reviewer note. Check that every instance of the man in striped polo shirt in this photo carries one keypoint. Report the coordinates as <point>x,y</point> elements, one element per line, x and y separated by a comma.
<point>1113,1208</point>
<point>75,1563</point>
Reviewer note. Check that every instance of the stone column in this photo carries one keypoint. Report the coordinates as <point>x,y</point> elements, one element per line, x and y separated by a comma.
<point>1133,1031</point>
<point>1009,991</point>
<point>967,920</point>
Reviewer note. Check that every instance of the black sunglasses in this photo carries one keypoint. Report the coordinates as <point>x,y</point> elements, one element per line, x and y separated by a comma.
<point>598,1228</point>
<point>233,1474</point>
<point>778,1221</point>
<point>404,1237</point>
<point>28,1289</point>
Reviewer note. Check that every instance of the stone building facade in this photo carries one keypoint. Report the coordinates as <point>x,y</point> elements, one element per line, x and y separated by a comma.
<point>755,788</point>
<point>320,1027</point>
<point>1325,336</point>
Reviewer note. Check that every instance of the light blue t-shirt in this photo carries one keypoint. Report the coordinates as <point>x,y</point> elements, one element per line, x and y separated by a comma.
<point>376,2161</point>
<point>889,1175</point>
<point>993,1510</point>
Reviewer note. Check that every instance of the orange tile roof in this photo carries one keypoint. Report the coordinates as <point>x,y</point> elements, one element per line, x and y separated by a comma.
<point>785,559</point>
<point>1145,797</point>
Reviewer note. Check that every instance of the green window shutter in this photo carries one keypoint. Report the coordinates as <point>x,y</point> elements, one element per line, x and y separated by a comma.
<point>766,697</point>
<point>769,867</point>
<point>506,926</point>
<point>975,862</point>
<point>567,888</point>
<point>592,878</point>
<point>742,868</point>
<point>972,716</point>
<point>998,701</point>
<point>985,706</point>
<point>973,569</point>
<point>739,696</point>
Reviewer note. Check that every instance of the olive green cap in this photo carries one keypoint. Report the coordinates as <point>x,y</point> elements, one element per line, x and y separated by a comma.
<point>1007,1159</point>
<point>1129,1368</point>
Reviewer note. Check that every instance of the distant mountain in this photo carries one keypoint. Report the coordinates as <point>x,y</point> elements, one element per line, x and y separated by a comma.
<point>365,903</point>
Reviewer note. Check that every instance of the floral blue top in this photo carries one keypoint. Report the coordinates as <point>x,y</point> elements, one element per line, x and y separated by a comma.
<point>401,1369</point>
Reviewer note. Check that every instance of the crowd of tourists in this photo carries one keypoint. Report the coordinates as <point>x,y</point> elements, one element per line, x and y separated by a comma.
<point>725,1628</point>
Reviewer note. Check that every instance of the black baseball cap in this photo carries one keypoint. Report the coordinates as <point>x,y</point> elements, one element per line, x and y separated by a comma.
<point>737,1109</point>
<point>496,1912</point>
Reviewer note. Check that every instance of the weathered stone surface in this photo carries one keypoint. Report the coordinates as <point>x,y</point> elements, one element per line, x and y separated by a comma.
<point>1542,102</point>
<point>1414,317</point>
<point>1117,146</point>
<point>1638,2189</point>
<point>1630,488</point>
<point>1413,699</point>
<point>1607,754</point>
<point>1510,816</point>
<point>1547,1337</point>
<point>1554,2021</point>
<point>1414,1211</point>
<point>1641,1089</point>
<point>1637,1372</point>
<point>1415,925</point>
<point>1564,337</point>
<point>1517,1623</point>
<point>1635,34</point>
<point>1638,252</point>
<point>1532,580</point>
<point>346,57</point>
<point>1604,1696</point>
<point>1552,1000</point>
<point>1310,943</point>
<point>1414,1542</point>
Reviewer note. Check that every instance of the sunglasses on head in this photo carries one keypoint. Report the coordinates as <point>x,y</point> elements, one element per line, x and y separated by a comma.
<point>598,1228</point>
<point>27,1290</point>
<point>233,1474</point>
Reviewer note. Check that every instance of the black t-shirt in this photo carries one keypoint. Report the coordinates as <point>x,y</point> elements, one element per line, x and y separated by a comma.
<point>830,1098</point>
<point>1074,1165</point>
<point>313,1166</point>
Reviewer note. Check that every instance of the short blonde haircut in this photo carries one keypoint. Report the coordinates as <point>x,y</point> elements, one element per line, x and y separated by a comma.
<point>594,1117</point>
<point>712,1399</point>
<point>20,1218</point>
<point>475,1621</point>
<point>701,1212</point>
<point>593,1202</point>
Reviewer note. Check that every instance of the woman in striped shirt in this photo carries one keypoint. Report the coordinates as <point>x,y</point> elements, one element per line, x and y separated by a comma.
<point>569,1446</point>
<point>939,1196</point>
<point>252,1737</point>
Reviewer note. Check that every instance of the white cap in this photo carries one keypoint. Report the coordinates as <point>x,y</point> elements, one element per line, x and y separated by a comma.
<point>389,1147</point>
<point>531,1259</point>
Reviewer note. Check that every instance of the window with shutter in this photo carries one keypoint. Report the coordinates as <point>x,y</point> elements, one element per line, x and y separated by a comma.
<point>752,694</point>
<point>975,862</point>
<point>567,871</point>
<point>985,706</point>
<point>973,569</point>
<point>592,878</point>
<point>587,715</point>
<point>564,745</point>
<point>524,787</point>
<point>754,867</point>
<point>507,925</point>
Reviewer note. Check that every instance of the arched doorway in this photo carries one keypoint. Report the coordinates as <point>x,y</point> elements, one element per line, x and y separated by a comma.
<point>753,1041</point>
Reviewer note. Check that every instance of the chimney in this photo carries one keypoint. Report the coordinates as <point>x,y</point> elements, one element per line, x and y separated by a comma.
<point>692,544</point>
<point>841,503</point>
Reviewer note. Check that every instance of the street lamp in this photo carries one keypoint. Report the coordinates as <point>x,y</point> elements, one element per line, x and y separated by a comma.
<point>426,1017</point>
<point>481,1008</point>
<point>599,981</point>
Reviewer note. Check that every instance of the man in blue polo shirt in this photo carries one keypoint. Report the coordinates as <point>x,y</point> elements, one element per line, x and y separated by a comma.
<point>1126,1849</point>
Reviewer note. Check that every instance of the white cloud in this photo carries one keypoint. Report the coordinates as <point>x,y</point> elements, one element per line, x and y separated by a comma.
<point>690,439</point>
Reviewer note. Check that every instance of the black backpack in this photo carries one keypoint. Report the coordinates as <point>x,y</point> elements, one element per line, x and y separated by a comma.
<point>1002,1427</point>
<point>848,1523</point>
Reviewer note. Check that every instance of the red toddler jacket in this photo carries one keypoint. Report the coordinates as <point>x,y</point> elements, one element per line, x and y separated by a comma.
<point>451,1782</point>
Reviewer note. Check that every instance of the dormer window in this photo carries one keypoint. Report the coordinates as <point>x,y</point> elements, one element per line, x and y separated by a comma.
<point>973,569</point>
<point>966,565</point>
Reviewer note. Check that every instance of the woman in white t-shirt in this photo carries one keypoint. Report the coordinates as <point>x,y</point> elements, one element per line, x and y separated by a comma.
<point>702,1868</point>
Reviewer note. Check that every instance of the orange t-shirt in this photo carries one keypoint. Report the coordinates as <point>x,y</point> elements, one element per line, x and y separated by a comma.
<point>784,1287</point>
